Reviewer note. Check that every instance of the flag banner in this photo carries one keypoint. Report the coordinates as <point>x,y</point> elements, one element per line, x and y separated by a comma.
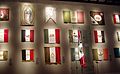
<point>50,13</point>
<point>27,35</point>
<point>100,54</point>
<point>74,17</point>
<point>4,14</point>
<point>75,36</point>
<point>118,36</point>
<point>27,55</point>
<point>27,15</point>
<point>3,35</point>
<point>3,55</point>
<point>52,55</point>
<point>66,17</point>
<point>116,18</point>
<point>117,52</point>
<point>77,54</point>
<point>99,36</point>
<point>97,18</point>
<point>52,36</point>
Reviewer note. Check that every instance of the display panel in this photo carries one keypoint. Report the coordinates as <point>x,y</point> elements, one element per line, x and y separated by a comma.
<point>3,35</point>
<point>99,36</point>
<point>52,36</point>
<point>75,36</point>
<point>117,52</point>
<point>4,14</point>
<point>52,55</point>
<point>73,17</point>
<point>100,54</point>
<point>118,36</point>
<point>27,35</point>
<point>3,55</point>
<point>27,15</point>
<point>50,13</point>
<point>116,18</point>
<point>27,55</point>
<point>97,18</point>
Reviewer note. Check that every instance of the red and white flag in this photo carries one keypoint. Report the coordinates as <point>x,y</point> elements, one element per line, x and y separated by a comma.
<point>3,35</point>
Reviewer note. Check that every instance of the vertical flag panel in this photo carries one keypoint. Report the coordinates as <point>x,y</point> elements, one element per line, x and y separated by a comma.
<point>66,16</point>
<point>80,17</point>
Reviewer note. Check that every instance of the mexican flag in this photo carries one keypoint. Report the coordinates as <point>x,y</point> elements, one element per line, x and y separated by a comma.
<point>52,36</point>
<point>27,55</point>
<point>52,55</point>
<point>100,54</point>
<point>99,36</point>
<point>3,35</point>
<point>27,36</point>
<point>74,36</point>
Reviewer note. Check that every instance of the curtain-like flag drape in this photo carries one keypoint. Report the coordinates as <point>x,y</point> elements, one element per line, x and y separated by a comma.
<point>77,54</point>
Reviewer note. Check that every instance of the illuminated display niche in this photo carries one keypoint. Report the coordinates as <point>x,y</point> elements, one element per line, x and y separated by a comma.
<point>50,13</point>
<point>3,55</point>
<point>27,55</point>
<point>97,18</point>
<point>99,36</point>
<point>27,18</point>
<point>27,35</point>
<point>116,18</point>
<point>100,54</point>
<point>52,55</point>
<point>73,17</point>
<point>4,14</point>
<point>4,35</point>
<point>75,36</point>
<point>52,36</point>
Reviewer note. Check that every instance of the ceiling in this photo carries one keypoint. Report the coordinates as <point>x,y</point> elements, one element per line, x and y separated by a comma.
<point>107,2</point>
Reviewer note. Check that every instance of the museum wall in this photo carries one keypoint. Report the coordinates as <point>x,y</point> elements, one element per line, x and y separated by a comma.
<point>15,65</point>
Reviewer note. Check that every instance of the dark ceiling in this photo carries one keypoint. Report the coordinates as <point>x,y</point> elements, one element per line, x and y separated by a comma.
<point>107,2</point>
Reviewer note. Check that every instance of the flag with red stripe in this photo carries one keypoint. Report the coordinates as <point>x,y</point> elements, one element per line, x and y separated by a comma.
<point>100,54</point>
<point>3,35</point>
<point>116,18</point>
<point>52,36</point>
<point>52,55</point>
<point>27,55</point>
<point>74,36</point>
<point>27,36</point>
<point>99,36</point>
